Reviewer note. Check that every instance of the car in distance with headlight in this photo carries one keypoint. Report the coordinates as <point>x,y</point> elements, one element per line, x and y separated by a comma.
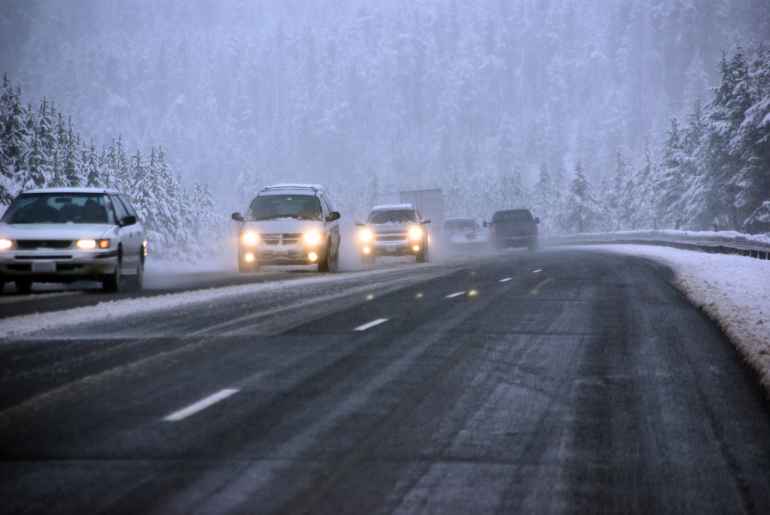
<point>513,228</point>
<point>393,230</point>
<point>463,234</point>
<point>70,234</point>
<point>289,224</point>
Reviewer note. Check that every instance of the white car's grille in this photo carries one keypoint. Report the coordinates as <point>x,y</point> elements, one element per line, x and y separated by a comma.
<point>43,244</point>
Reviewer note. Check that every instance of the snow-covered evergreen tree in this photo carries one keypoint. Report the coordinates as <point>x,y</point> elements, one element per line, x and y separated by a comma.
<point>582,211</point>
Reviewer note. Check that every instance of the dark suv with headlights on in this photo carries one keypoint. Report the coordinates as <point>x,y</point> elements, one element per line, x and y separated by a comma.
<point>289,224</point>
<point>513,228</point>
<point>393,230</point>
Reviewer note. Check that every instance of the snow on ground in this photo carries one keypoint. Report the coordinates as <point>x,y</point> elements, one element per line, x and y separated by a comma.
<point>725,237</point>
<point>111,310</point>
<point>732,290</point>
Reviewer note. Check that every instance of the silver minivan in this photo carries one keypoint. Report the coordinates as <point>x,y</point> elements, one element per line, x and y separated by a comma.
<point>70,234</point>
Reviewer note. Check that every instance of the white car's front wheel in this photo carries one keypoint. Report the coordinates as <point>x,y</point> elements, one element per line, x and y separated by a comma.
<point>139,278</point>
<point>111,282</point>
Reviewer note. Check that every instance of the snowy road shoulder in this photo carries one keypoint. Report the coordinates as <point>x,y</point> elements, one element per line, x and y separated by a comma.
<point>732,290</point>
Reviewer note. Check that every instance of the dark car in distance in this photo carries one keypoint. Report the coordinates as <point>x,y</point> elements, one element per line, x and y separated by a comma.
<point>513,228</point>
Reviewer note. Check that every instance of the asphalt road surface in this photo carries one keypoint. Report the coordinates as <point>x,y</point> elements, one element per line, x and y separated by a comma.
<point>556,382</point>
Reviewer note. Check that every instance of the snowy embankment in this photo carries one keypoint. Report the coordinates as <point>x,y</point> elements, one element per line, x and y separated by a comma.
<point>727,238</point>
<point>732,290</point>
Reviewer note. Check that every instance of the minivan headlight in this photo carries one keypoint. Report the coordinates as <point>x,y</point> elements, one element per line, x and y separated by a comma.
<point>365,235</point>
<point>312,237</point>
<point>6,244</point>
<point>250,238</point>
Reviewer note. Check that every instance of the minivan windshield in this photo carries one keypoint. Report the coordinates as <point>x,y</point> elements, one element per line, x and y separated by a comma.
<point>384,216</point>
<point>60,208</point>
<point>301,207</point>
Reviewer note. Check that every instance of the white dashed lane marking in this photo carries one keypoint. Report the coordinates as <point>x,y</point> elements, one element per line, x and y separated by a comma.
<point>371,324</point>
<point>540,285</point>
<point>455,294</point>
<point>505,279</point>
<point>537,271</point>
<point>201,405</point>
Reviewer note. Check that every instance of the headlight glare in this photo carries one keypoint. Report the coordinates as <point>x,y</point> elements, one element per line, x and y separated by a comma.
<point>312,237</point>
<point>86,244</point>
<point>250,238</point>
<point>365,235</point>
<point>5,244</point>
<point>415,233</point>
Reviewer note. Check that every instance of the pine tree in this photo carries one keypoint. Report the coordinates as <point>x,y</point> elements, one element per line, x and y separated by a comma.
<point>670,179</point>
<point>582,212</point>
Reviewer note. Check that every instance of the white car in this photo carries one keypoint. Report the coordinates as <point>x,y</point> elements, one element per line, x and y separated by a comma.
<point>289,224</point>
<point>69,234</point>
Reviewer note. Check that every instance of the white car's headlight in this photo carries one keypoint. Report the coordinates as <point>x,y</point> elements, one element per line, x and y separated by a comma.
<point>365,235</point>
<point>5,244</point>
<point>415,233</point>
<point>92,244</point>
<point>250,238</point>
<point>312,237</point>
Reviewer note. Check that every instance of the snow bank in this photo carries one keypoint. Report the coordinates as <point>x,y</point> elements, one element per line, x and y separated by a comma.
<point>732,290</point>
<point>715,237</point>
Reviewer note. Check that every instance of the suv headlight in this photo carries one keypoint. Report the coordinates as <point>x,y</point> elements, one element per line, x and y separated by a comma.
<point>5,244</point>
<point>415,233</point>
<point>312,237</point>
<point>250,239</point>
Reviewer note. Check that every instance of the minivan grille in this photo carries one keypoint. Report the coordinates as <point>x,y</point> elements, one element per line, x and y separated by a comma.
<point>286,238</point>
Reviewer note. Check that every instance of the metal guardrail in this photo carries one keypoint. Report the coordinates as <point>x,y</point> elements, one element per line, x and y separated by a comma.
<point>755,250</point>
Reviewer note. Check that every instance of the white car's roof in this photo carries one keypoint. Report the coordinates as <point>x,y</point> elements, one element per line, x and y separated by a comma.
<point>392,207</point>
<point>72,190</point>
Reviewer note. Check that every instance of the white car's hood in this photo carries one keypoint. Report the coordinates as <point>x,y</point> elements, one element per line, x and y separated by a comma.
<point>282,225</point>
<point>54,231</point>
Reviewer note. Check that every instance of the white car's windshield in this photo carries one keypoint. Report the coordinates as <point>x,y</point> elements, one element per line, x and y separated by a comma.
<point>302,207</point>
<point>60,208</point>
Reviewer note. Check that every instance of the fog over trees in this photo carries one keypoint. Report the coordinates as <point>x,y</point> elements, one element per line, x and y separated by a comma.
<point>599,114</point>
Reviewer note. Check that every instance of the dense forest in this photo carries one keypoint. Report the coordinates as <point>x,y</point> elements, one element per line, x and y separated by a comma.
<point>39,147</point>
<point>601,115</point>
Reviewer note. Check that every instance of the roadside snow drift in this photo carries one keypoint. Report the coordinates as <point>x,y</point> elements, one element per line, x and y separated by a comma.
<point>732,290</point>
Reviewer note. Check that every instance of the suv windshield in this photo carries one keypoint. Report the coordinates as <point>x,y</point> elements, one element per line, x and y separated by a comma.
<point>60,208</point>
<point>384,216</point>
<point>302,207</point>
<point>515,215</point>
